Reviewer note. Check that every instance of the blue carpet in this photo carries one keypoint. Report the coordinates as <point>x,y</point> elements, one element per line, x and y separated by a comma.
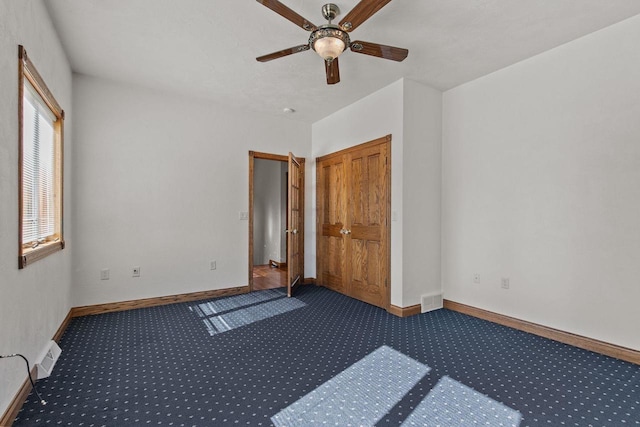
<point>161,366</point>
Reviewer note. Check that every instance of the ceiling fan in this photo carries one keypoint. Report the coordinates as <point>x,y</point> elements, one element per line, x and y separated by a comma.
<point>330,40</point>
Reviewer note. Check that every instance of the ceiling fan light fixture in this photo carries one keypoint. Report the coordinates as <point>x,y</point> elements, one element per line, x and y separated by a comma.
<point>329,42</point>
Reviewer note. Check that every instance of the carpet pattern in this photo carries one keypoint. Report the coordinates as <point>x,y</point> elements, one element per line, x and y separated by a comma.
<point>161,366</point>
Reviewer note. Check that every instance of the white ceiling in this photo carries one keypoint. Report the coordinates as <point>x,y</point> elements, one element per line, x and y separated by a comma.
<point>207,48</point>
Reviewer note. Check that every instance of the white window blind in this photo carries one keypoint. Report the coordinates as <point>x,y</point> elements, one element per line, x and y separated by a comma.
<point>38,165</point>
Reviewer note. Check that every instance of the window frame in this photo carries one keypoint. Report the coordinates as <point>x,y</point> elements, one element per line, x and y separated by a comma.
<point>27,253</point>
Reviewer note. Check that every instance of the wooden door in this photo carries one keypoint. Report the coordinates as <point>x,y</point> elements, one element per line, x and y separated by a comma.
<point>331,219</point>
<point>295,225</point>
<point>367,231</point>
<point>353,202</point>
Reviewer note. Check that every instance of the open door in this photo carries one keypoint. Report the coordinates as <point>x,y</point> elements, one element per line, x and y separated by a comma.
<point>295,225</point>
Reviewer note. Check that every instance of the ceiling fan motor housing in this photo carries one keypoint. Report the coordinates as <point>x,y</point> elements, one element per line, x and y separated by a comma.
<point>330,11</point>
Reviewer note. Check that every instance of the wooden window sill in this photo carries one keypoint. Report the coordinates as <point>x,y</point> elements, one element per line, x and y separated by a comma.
<point>29,256</point>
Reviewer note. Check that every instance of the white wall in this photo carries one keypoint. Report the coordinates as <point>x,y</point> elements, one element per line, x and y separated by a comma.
<point>411,113</point>
<point>422,184</point>
<point>268,213</point>
<point>160,181</point>
<point>33,301</point>
<point>541,184</point>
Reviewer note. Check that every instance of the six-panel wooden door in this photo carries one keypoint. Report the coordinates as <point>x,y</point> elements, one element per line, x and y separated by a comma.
<point>353,232</point>
<point>331,196</point>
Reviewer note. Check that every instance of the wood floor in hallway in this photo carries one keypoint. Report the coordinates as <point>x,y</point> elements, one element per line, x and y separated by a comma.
<point>267,277</point>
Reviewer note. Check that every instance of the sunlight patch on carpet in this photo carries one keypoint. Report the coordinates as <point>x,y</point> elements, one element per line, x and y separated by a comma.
<point>233,312</point>
<point>237,301</point>
<point>360,395</point>
<point>452,404</point>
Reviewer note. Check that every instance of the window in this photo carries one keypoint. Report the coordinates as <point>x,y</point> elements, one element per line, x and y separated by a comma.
<point>41,142</point>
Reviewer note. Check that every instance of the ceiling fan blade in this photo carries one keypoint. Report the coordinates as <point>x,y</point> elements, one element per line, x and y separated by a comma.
<point>360,13</point>
<point>283,52</point>
<point>285,12</point>
<point>333,72</point>
<point>379,50</point>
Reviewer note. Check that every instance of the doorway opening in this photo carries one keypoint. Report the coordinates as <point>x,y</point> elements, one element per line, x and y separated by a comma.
<point>269,222</point>
<point>276,221</point>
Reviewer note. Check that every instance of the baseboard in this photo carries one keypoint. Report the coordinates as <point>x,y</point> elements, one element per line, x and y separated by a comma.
<point>601,347</point>
<point>404,311</point>
<point>282,265</point>
<point>309,281</point>
<point>152,302</point>
<point>63,327</point>
<point>16,404</point>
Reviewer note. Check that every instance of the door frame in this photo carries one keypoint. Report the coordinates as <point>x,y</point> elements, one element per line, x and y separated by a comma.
<point>265,156</point>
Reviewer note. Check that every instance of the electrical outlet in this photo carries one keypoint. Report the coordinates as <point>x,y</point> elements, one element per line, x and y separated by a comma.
<point>104,274</point>
<point>504,282</point>
<point>212,265</point>
<point>135,272</point>
<point>476,278</point>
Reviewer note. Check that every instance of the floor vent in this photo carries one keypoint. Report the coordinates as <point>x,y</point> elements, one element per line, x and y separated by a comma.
<point>48,360</point>
<point>431,302</point>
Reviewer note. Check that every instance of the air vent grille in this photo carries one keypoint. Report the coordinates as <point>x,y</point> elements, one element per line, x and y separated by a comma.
<point>48,360</point>
<point>431,302</point>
